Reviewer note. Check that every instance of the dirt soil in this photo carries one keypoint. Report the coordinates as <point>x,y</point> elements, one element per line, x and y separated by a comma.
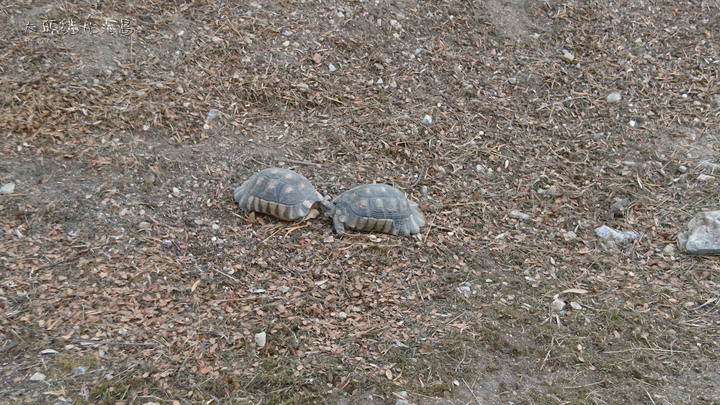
<point>128,274</point>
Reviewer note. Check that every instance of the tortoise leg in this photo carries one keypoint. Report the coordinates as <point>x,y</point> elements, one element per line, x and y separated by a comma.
<point>339,227</point>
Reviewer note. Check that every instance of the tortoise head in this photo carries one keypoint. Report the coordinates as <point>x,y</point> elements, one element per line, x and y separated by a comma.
<point>327,205</point>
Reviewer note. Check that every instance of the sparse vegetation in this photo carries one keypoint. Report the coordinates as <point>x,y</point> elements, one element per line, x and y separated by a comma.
<point>128,275</point>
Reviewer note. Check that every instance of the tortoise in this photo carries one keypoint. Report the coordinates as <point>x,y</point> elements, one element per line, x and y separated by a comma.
<point>282,193</point>
<point>376,207</point>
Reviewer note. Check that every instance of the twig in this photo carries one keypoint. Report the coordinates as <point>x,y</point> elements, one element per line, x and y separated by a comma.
<point>650,396</point>
<point>547,356</point>
<point>227,275</point>
<point>420,178</point>
<point>8,347</point>
<point>104,342</point>
<point>300,162</point>
<point>471,391</point>
<point>673,351</point>
<point>710,301</point>
<point>704,269</point>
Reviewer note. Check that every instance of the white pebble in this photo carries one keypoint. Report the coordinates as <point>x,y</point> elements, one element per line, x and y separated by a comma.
<point>37,377</point>
<point>8,188</point>
<point>427,119</point>
<point>557,306</point>
<point>260,339</point>
<point>332,67</point>
<point>614,98</point>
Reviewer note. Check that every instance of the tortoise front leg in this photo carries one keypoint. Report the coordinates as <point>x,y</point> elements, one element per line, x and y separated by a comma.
<point>339,226</point>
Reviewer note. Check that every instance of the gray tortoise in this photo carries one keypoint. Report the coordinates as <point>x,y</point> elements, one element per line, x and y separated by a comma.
<point>282,193</point>
<point>376,208</point>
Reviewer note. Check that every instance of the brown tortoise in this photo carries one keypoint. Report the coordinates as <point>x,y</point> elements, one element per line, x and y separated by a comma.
<point>376,208</point>
<point>282,193</point>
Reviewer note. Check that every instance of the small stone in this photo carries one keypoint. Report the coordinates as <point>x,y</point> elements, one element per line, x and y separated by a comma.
<point>568,57</point>
<point>175,190</point>
<point>215,227</point>
<point>260,339</point>
<point>465,290</point>
<point>342,315</point>
<point>393,84</point>
<point>709,165</point>
<point>682,169</point>
<point>614,98</point>
<point>633,123</point>
<point>7,188</point>
<point>704,177</point>
<point>615,237</point>
<point>576,306</point>
<point>331,67</point>
<point>570,236</point>
<point>557,306</point>
<point>512,80</point>
<point>179,90</point>
<point>144,226</point>
<point>519,215</point>
<point>37,377</point>
<point>80,370</point>
<point>424,189</point>
<point>287,33</point>
<point>427,119</point>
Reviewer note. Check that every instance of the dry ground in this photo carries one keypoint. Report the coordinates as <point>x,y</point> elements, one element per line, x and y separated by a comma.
<point>128,275</point>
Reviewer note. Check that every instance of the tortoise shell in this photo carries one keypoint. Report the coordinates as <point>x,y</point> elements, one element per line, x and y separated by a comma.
<point>376,208</point>
<point>282,193</point>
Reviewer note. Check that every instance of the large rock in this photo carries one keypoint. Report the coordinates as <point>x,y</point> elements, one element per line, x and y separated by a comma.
<point>703,234</point>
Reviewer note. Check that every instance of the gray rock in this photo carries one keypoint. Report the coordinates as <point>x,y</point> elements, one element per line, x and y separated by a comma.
<point>519,215</point>
<point>703,234</point>
<point>615,237</point>
<point>8,188</point>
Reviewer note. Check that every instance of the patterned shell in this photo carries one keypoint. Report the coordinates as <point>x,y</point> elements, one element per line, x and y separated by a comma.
<point>279,192</point>
<point>376,208</point>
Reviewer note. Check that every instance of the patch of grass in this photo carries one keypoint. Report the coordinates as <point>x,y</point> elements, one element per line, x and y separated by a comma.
<point>66,362</point>
<point>279,383</point>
